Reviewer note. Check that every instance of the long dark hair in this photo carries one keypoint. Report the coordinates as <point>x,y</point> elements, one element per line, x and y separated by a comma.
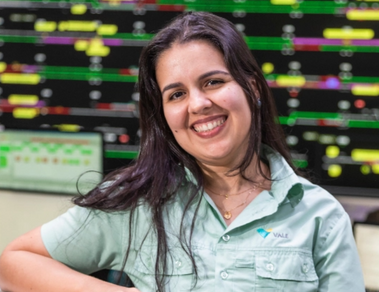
<point>159,170</point>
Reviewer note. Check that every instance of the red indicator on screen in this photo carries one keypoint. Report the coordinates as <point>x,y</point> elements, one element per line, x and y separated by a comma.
<point>359,103</point>
<point>104,106</point>
<point>148,2</point>
<point>6,108</point>
<point>124,138</point>
<point>309,48</point>
<point>294,93</point>
<point>125,72</point>
<point>171,7</point>
<point>329,123</point>
<point>59,110</point>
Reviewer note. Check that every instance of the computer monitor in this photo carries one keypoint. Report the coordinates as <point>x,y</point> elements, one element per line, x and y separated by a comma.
<point>50,161</point>
<point>77,62</point>
<point>367,240</point>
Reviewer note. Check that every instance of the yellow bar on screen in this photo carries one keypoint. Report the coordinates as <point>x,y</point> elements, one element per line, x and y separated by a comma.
<point>365,155</point>
<point>97,51</point>
<point>97,48</point>
<point>107,29</point>
<point>348,33</point>
<point>355,14</point>
<point>17,99</point>
<point>3,66</point>
<point>25,113</point>
<point>45,26</point>
<point>81,45</point>
<point>76,25</point>
<point>290,81</point>
<point>283,2</point>
<point>19,78</point>
<point>369,90</point>
<point>68,127</point>
<point>78,9</point>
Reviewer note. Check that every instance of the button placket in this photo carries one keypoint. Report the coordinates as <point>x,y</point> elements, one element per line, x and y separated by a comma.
<point>224,275</point>
<point>226,237</point>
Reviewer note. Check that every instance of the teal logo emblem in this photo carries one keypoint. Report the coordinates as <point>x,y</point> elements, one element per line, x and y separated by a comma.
<point>264,232</point>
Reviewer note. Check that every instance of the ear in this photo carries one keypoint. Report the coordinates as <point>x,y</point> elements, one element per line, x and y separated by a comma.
<point>254,86</point>
<point>256,92</point>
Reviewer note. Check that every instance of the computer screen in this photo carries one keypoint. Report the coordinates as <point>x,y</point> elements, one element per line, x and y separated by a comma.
<point>367,240</point>
<point>77,62</point>
<point>50,161</point>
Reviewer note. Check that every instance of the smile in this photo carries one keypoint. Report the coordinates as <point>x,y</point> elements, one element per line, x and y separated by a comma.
<point>206,127</point>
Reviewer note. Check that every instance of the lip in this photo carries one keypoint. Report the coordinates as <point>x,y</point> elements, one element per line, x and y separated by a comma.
<point>213,132</point>
<point>206,120</point>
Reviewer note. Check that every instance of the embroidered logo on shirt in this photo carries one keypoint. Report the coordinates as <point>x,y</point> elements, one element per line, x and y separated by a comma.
<point>280,235</point>
<point>264,232</point>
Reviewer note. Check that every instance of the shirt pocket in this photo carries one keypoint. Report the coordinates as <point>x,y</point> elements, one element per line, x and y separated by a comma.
<point>283,270</point>
<point>178,276</point>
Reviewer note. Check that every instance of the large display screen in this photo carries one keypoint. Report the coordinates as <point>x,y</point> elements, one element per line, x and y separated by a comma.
<point>74,64</point>
<point>50,161</point>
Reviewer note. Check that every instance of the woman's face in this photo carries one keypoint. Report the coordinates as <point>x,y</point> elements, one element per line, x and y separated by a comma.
<point>205,108</point>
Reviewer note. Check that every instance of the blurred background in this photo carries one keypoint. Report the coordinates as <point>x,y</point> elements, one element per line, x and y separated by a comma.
<point>69,108</point>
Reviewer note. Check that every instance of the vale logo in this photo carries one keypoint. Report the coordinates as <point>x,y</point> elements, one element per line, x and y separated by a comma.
<point>264,232</point>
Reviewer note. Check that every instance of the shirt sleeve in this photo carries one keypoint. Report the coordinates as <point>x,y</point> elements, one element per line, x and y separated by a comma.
<point>337,261</point>
<point>86,240</point>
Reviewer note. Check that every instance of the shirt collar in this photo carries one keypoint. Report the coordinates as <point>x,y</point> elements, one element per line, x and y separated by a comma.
<point>285,183</point>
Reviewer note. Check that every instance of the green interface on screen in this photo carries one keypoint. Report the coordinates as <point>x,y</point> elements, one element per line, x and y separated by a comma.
<point>45,161</point>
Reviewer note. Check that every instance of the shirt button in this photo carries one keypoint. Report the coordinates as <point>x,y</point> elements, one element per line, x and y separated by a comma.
<point>178,264</point>
<point>305,268</point>
<point>226,237</point>
<point>224,275</point>
<point>270,267</point>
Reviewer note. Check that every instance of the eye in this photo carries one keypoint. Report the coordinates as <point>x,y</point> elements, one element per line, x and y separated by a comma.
<point>176,95</point>
<point>214,82</point>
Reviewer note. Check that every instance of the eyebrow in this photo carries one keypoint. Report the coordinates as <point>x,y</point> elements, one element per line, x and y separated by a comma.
<point>172,85</point>
<point>205,75</point>
<point>214,72</point>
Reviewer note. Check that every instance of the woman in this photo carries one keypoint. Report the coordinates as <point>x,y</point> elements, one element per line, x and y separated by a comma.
<point>212,202</point>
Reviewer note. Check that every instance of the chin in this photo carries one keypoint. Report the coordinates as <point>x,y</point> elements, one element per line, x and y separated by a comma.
<point>220,159</point>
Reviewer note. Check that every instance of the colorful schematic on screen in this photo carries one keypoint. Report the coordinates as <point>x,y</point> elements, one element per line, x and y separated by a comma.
<point>53,162</point>
<point>76,63</point>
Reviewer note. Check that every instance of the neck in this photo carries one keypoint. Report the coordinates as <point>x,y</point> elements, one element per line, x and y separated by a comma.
<point>218,181</point>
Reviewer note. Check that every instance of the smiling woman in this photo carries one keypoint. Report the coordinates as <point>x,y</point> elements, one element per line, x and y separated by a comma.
<point>213,201</point>
<point>205,108</point>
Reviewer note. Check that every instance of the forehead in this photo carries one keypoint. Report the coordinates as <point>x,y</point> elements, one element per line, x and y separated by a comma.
<point>190,57</point>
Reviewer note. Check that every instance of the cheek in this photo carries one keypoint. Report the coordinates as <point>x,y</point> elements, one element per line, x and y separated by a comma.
<point>235,101</point>
<point>175,117</point>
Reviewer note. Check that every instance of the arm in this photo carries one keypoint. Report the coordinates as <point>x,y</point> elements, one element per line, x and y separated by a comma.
<point>26,265</point>
<point>337,261</point>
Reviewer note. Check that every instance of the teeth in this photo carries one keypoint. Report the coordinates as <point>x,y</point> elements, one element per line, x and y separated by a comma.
<point>208,126</point>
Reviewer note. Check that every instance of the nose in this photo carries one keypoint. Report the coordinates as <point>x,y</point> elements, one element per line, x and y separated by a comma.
<point>199,102</point>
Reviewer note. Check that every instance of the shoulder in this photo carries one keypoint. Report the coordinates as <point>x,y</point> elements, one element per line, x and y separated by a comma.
<point>88,221</point>
<point>80,220</point>
<point>319,198</point>
<point>323,209</point>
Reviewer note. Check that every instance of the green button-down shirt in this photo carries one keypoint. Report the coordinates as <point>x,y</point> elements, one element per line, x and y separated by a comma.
<point>294,238</point>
